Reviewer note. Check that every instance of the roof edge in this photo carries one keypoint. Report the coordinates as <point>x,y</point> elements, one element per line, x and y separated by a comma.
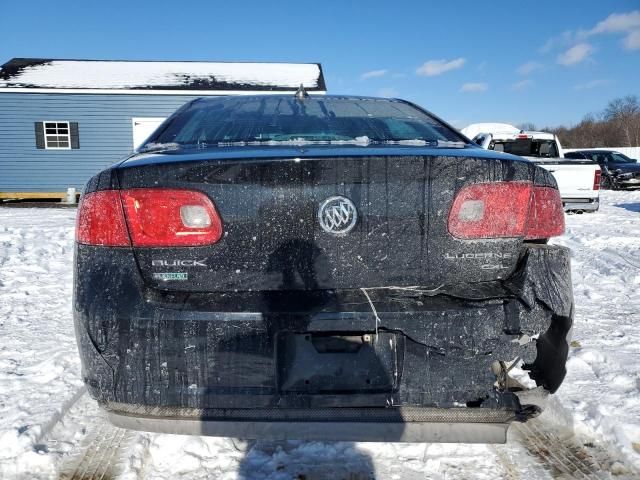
<point>177,92</point>
<point>38,60</point>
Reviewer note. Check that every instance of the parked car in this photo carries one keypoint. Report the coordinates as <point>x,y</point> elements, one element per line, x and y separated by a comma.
<point>578,179</point>
<point>324,267</point>
<point>618,170</point>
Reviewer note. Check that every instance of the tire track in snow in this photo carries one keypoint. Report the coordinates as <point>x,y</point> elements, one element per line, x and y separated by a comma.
<point>605,258</point>
<point>87,445</point>
<point>59,415</point>
<point>511,470</point>
<point>560,456</point>
<point>551,442</point>
<point>615,256</point>
<point>101,456</point>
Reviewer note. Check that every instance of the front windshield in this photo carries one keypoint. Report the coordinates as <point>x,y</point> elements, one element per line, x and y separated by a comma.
<point>620,158</point>
<point>272,119</point>
<point>526,147</point>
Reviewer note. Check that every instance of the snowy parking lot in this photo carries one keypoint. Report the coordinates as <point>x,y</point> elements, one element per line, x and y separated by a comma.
<point>49,427</point>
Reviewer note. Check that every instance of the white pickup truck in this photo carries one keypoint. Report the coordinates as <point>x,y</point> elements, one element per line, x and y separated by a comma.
<point>578,180</point>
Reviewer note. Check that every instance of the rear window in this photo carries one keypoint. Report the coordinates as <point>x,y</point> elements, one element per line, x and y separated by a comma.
<point>527,147</point>
<point>278,118</point>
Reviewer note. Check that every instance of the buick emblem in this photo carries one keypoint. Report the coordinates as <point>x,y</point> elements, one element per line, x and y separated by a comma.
<point>337,215</point>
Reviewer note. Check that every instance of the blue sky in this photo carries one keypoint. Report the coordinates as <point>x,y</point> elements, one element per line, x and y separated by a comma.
<point>545,62</point>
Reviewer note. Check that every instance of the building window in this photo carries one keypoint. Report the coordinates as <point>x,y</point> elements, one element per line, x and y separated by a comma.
<point>57,135</point>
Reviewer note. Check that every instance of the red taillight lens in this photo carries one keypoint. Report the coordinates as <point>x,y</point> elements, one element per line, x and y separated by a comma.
<point>490,210</point>
<point>596,179</point>
<point>506,210</point>
<point>546,216</point>
<point>100,220</point>
<point>159,217</point>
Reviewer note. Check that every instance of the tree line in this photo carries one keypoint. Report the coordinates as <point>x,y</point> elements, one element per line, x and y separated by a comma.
<point>618,125</point>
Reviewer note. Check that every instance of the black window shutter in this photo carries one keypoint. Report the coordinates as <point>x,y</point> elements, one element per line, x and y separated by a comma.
<point>75,137</point>
<point>39,135</point>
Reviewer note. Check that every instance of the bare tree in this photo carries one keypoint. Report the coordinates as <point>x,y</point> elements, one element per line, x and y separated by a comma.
<point>621,107</point>
<point>624,113</point>
<point>618,125</point>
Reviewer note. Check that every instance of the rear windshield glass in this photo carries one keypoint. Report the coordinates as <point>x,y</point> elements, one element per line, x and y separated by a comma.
<point>527,147</point>
<point>278,118</point>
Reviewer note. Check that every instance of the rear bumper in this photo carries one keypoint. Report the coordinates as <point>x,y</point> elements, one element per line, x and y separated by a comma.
<point>216,364</point>
<point>402,424</point>
<point>581,204</point>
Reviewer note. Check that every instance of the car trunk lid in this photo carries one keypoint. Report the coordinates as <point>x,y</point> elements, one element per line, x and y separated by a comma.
<point>273,239</point>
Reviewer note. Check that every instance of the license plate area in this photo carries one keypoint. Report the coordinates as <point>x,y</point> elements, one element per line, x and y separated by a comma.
<point>344,363</point>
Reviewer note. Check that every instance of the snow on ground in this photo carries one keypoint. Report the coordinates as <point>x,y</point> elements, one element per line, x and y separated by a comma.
<point>45,415</point>
<point>602,387</point>
<point>39,368</point>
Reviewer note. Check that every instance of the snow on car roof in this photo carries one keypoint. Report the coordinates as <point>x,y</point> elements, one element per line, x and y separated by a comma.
<point>35,73</point>
<point>477,128</point>
<point>503,131</point>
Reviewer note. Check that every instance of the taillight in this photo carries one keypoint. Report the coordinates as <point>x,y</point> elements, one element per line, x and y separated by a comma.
<point>100,220</point>
<point>155,217</point>
<point>506,210</point>
<point>596,179</point>
<point>490,210</point>
<point>160,217</point>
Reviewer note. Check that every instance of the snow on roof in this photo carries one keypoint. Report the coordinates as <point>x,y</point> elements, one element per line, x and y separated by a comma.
<point>33,73</point>
<point>503,131</point>
<point>477,128</point>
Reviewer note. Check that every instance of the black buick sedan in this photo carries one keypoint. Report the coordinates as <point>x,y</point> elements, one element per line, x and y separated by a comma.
<point>323,267</point>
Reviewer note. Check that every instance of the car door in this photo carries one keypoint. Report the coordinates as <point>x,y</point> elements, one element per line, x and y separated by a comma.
<point>616,162</point>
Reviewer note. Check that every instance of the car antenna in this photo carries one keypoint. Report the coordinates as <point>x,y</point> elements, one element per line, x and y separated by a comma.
<point>301,93</point>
